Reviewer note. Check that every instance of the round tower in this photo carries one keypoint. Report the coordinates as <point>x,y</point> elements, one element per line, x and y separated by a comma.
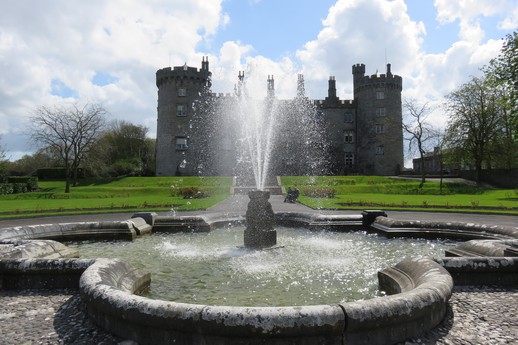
<point>379,121</point>
<point>178,89</point>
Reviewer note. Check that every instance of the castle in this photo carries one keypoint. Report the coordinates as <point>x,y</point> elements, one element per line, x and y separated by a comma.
<point>362,136</point>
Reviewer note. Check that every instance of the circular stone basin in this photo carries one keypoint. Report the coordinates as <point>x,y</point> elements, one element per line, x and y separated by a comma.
<point>306,268</point>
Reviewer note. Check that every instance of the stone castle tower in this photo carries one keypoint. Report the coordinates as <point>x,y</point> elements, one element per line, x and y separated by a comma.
<point>379,121</point>
<point>178,89</point>
<point>364,134</point>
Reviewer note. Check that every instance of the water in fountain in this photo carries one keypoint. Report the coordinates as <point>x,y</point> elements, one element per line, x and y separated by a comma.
<point>312,268</point>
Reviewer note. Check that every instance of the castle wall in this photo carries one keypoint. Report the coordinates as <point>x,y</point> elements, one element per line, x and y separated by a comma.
<point>363,135</point>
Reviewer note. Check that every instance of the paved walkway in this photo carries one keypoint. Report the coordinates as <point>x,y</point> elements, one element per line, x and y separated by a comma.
<point>477,315</point>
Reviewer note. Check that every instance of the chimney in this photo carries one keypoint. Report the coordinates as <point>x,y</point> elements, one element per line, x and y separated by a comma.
<point>331,92</point>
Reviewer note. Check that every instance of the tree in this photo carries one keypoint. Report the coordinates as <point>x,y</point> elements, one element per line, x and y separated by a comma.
<point>474,122</point>
<point>3,160</point>
<point>504,71</point>
<point>418,131</point>
<point>123,149</point>
<point>27,164</point>
<point>69,132</point>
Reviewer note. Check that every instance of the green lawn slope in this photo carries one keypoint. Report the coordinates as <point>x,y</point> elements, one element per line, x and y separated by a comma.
<point>361,192</point>
<point>125,194</point>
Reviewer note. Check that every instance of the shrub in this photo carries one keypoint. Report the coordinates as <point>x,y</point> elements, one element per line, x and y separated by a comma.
<point>189,193</point>
<point>319,192</point>
<point>22,184</point>
<point>19,188</point>
<point>6,188</point>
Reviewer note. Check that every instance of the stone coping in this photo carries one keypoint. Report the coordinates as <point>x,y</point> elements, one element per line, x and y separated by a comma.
<point>17,249</point>
<point>485,248</point>
<point>482,270</point>
<point>127,230</point>
<point>108,288</point>
<point>452,230</point>
<point>20,274</point>
<point>209,221</point>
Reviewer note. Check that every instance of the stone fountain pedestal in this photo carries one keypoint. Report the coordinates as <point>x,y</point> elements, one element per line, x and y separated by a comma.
<point>260,221</point>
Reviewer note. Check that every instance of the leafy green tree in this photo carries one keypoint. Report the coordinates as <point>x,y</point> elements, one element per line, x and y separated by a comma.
<point>123,149</point>
<point>3,160</point>
<point>474,123</point>
<point>28,164</point>
<point>502,73</point>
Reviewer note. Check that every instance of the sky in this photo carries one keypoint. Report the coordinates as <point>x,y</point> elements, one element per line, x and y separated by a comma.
<point>64,51</point>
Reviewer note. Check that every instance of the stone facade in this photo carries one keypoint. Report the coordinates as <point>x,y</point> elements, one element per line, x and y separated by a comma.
<point>363,135</point>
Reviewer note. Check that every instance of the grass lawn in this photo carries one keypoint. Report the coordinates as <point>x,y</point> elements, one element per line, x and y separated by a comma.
<point>361,192</point>
<point>125,194</point>
<point>132,194</point>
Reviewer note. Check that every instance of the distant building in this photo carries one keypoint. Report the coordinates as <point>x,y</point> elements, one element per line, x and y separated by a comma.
<point>432,163</point>
<point>363,135</point>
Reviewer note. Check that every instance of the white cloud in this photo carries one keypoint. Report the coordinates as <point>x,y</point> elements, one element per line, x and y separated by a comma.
<point>511,21</point>
<point>358,31</point>
<point>468,12</point>
<point>69,42</point>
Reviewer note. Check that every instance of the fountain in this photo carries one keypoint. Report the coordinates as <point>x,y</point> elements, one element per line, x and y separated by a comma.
<point>113,290</point>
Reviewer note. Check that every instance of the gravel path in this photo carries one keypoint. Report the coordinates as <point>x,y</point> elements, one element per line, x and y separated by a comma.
<point>476,316</point>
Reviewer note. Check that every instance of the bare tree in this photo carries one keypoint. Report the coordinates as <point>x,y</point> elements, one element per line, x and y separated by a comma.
<point>418,131</point>
<point>69,131</point>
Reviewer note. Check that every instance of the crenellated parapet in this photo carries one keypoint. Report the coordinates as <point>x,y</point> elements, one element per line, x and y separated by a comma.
<point>375,81</point>
<point>340,103</point>
<point>221,95</point>
<point>172,75</point>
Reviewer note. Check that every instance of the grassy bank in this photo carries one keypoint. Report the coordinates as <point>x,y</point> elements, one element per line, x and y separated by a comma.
<point>361,192</point>
<point>132,194</point>
<point>127,194</point>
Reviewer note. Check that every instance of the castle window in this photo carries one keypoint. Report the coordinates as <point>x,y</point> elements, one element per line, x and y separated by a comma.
<point>349,159</point>
<point>181,144</point>
<point>380,150</point>
<point>380,128</point>
<point>348,137</point>
<point>380,95</point>
<point>348,118</point>
<point>182,92</point>
<point>380,112</point>
<point>180,110</point>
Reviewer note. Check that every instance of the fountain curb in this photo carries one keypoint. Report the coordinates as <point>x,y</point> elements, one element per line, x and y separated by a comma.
<point>126,230</point>
<point>18,274</point>
<point>390,228</point>
<point>115,307</point>
<point>502,271</point>
<point>49,249</point>
<point>421,290</point>
<point>420,306</point>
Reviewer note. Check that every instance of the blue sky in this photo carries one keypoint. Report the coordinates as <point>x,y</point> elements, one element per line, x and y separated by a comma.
<point>59,51</point>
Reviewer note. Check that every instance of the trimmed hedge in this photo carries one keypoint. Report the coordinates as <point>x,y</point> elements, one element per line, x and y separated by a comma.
<point>18,184</point>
